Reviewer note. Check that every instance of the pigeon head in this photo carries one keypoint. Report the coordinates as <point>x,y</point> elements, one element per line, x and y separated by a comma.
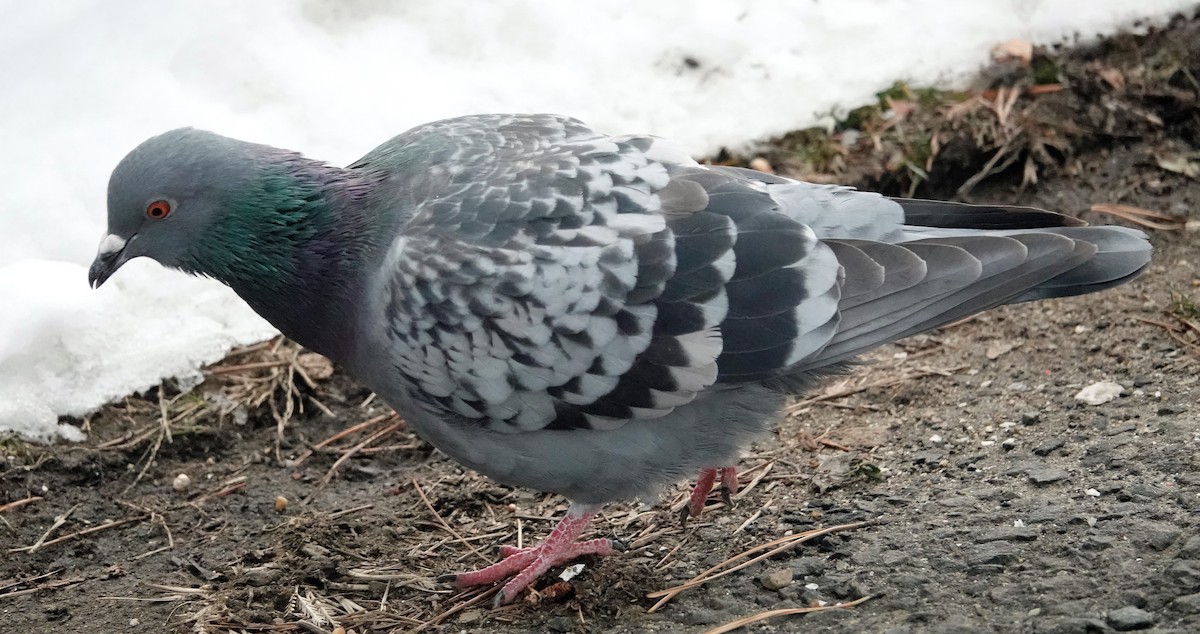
<point>165,197</point>
<point>285,232</point>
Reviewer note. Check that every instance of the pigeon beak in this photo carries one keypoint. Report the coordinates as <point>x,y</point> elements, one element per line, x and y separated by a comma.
<point>109,257</point>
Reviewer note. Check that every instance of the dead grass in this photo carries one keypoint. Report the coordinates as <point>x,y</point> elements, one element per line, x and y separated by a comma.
<point>1021,120</point>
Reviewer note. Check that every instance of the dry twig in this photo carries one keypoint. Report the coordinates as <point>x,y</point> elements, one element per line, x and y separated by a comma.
<point>772,548</point>
<point>346,455</point>
<point>445,525</point>
<point>770,614</point>
<point>41,543</point>
<point>847,391</point>
<point>16,504</point>
<point>1142,217</point>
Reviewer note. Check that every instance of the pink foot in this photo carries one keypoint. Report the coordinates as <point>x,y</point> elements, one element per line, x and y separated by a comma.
<point>525,565</point>
<point>704,484</point>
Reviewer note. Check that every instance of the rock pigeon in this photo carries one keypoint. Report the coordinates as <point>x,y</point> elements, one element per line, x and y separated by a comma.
<point>591,315</point>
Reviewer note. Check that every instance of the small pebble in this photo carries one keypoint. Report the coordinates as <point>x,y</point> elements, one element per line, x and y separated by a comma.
<point>776,579</point>
<point>1187,604</point>
<point>469,616</point>
<point>134,622</point>
<point>560,624</point>
<point>1093,492</point>
<point>1130,618</point>
<point>1046,475</point>
<point>1099,393</point>
<point>281,504</point>
<point>181,482</point>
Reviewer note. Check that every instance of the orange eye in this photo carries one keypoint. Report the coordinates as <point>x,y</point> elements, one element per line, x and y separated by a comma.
<point>158,209</point>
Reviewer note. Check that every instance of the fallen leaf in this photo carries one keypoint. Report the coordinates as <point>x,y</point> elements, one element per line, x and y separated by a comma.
<point>1113,77</point>
<point>1014,49</point>
<point>901,108</point>
<point>995,350</point>
<point>1186,164</point>
<point>761,164</point>
<point>316,366</point>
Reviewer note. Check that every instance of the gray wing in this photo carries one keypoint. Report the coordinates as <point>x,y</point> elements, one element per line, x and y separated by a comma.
<point>559,278</point>
<point>913,265</point>
<point>550,277</point>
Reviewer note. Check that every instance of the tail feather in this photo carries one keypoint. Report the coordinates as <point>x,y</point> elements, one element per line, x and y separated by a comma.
<point>913,265</point>
<point>988,271</point>
<point>939,213</point>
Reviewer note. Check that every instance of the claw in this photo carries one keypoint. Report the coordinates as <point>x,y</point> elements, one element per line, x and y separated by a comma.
<point>729,485</point>
<point>525,565</point>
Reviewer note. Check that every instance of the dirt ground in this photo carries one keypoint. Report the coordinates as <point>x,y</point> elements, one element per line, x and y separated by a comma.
<point>279,497</point>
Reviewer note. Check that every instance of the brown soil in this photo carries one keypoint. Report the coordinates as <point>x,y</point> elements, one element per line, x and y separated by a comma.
<point>995,500</point>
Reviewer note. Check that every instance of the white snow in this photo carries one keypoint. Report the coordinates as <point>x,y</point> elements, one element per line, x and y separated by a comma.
<point>83,81</point>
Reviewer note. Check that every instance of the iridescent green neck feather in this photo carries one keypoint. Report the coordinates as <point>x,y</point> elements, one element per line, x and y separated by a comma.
<point>291,242</point>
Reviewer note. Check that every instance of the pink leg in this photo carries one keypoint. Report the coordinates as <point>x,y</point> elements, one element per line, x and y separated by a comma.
<point>695,503</point>
<point>704,484</point>
<point>527,564</point>
<point>729,484</point>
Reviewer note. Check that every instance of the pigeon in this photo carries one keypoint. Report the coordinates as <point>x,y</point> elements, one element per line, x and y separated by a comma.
<point>589,315</point>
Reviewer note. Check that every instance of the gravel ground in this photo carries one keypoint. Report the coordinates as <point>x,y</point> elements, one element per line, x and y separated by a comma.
<point>991,498</point>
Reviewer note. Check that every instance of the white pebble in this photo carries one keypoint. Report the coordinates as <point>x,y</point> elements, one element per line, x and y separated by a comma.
<point>1092,492</point>
<point>811,586</point>
<point>182,482</point>
<point>1080,329</point>
<point>1099,393</point>
<point>570,572</point>
<point>935,438</point>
